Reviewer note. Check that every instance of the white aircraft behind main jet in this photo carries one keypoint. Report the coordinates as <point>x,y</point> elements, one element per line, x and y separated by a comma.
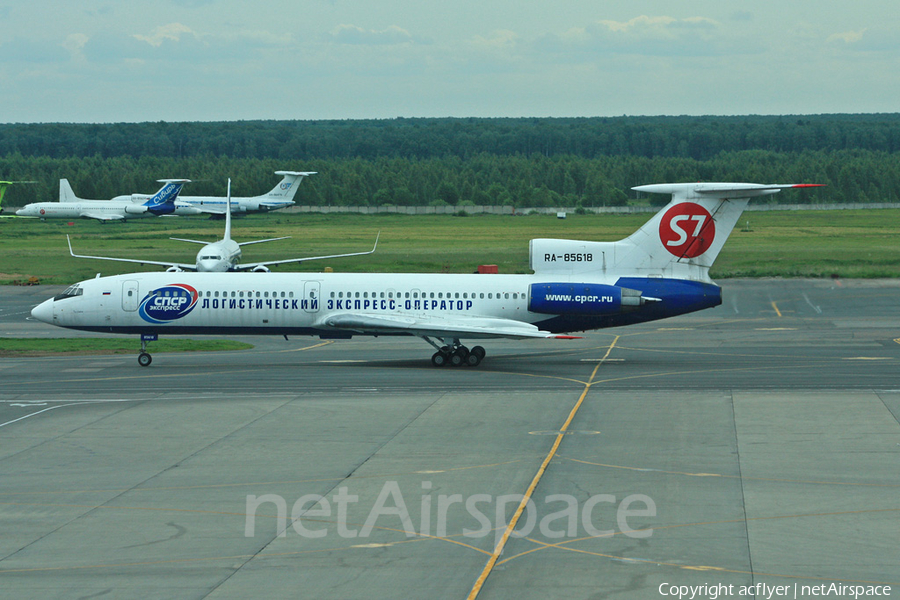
<point>662,270</point>
<point>220,256</point>
<point>163,202</point>
<point>281,196</point>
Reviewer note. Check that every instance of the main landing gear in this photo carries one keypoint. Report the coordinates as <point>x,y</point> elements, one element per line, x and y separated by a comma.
<point>144,358</point>
<point>455,354</point>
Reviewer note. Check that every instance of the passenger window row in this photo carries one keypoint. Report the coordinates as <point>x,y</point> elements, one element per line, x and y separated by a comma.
<point>249,294</point>
<point>431,295</point>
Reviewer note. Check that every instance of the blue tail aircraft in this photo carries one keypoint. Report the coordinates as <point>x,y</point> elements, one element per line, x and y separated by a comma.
<point>163,202</point>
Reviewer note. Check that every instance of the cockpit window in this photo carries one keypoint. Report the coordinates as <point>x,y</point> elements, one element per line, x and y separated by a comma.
<point>72,290</point>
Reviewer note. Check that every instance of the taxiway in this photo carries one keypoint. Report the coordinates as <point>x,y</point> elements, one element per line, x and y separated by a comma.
<point>755,442</point>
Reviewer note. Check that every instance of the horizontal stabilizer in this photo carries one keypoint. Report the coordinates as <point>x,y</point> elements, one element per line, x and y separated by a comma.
<point>719,190</point>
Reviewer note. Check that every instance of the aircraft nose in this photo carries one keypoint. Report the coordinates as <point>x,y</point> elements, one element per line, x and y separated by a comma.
<point>210,265</point>
<point>44,311</point>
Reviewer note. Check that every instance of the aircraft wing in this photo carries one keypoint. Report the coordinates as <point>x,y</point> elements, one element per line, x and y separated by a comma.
<point>101,217</point>
<point>423,325</point>
<point>190,241</point>
<point>251,266</point>
<point>261,241</point>
<point>182,266</point>
<point>210,210</point>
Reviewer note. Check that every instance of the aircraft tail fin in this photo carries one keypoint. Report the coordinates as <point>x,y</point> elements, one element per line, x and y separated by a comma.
<point>287,187</point>
<point>681,241</point>
<point>228,213</point>
<point>66,194</point>
<point>163,201</point>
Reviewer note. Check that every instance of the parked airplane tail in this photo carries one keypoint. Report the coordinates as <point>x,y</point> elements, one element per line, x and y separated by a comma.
<point>227,236</point>
<point>287,187</point>
<point>163,201</point>
<point>65,192</point>
<point>680,242</point>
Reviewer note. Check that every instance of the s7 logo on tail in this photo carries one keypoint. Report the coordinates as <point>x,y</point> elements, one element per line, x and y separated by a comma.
<point>687,230</point>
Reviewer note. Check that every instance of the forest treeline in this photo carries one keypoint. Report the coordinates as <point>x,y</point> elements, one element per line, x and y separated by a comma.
<point>521,162</point>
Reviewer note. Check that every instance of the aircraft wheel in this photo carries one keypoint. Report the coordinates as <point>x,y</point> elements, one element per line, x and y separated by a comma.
<point>439,359</point>
<point>144,359</point>
<point>474,359</point>
<point>479,351</point>
<point>459,357</point>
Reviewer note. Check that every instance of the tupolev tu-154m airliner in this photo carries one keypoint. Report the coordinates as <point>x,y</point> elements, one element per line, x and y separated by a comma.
<point>662,270</point>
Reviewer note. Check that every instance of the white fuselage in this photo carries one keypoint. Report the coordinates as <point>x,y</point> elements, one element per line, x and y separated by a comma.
<point>238,205</point>
<point>218,257</point>
<point>96,209</point>
<point>276,303</point>
<point>217,205</point>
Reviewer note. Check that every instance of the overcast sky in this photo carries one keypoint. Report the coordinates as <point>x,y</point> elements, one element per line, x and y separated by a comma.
<point>210,60</point>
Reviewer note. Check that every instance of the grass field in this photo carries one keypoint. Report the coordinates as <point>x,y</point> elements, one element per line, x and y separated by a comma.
<point>849,243</point>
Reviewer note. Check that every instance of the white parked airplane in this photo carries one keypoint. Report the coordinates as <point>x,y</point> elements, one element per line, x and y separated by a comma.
<point>660,271</point>
<point>220,256</point>
<point>281,196</point>
<point>163,202</point>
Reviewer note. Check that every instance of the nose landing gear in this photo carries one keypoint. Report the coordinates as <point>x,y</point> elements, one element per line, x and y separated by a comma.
<point>144,358</point>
